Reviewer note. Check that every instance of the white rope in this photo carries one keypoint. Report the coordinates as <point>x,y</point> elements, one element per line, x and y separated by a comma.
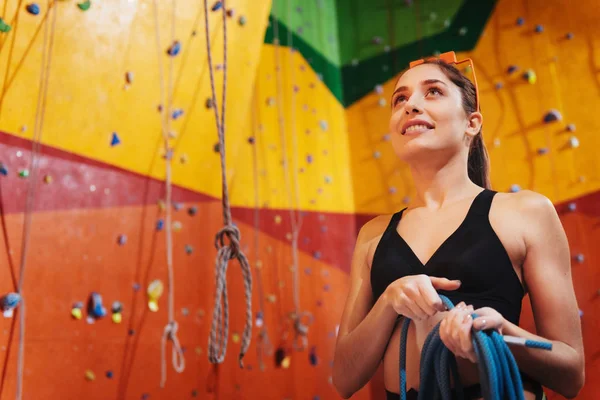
<point>170,330</point>
<point>32,185</point>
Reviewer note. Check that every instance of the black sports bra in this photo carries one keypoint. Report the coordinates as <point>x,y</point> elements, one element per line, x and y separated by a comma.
<point>473,254</point>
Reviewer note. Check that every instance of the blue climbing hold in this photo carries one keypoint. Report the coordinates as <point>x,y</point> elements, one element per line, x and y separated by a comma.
<point>115,139</point>
<point>317,255</point>
<point>3,170</point>
<point>217,6</point>
<point>520,21</point>
<point>572,206</point>
<point>10,301</point>
<point>512,69</point>
<point>569,35</point>
<point>539,28</point>
<point>177,113</point>
<point>33,9</point>
<point>174,49</point>
<point>160,224</point>
<point>515,188</point>
<point>122,240</point>
<point>312,357</point>
<point>109,374</point>
<point>95,307</point>
<point>499,85</point>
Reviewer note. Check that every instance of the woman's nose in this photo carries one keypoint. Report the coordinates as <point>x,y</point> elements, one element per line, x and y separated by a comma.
<point>412,107</point>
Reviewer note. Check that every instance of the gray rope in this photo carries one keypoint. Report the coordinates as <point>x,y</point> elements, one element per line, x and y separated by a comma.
<point>217,341</point>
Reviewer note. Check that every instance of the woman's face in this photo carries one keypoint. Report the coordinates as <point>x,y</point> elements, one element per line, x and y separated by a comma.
<point>428,115</point>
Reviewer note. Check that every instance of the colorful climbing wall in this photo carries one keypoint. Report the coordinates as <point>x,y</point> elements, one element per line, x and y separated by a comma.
<point>306,153</point>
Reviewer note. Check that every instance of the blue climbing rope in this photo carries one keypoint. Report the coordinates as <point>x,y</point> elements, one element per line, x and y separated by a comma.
<point>499,374</point>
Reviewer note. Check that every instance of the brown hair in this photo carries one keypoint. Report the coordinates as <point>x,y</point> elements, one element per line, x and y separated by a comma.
<point>478,164</point>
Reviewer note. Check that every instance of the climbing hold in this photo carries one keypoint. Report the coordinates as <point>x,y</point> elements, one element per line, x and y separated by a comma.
<point>571,128</point>
<point>117,307</point>
<point>406,199</point>
<point>24,173</point>
<point>512,69</point>
<point>382,102</point>
<point>145,396</point>
<point>177,206</point>
<point>235,337</point>
<point>89,375</point>
<point>198,350</point>
<point>447,23</point>
<point>312,357</point>
<point>277,219</point>
<point>282,360</point>
<point>48,179</point>
<point>271,298</point>
<point>33,9</point>
<point>463,31</point>
<point>270,101</point>
<point>3,169</point>
<point>569,35</point>
<point>392,190</point>
<point>217,6</point>
<point>520,21</point>
<point>230,13</point>
<point>76,312</point>
<point>177,113</point>
<point>386,137</point>
<point>499,85</point>
<point>136,287</point>
<point>189,249</point>
<point>515,188</point>
<point>377,40</point>
<point>183,158</point>
<point>309,158</point>
<point>259,319</point>
<point>208,103</point>
<point>122,239</point>
<point>580,313</point>
<point>193,210</point>
<point>4,27</point>
<point>109,374</point>
<point>572,206</point>
<point>174,49</point>
<point>328,179</point>
<point>497,142</point>
<point>317,255</point>
<point>194,393</point>
<point>376,155</point>
<point>154,291</point>
<point>177,226</point>
<point>84,6</point>
<point>539,28</point>
<point>579,258</point>
<point>552,115</point>
<point>115,139</point>
<point>9,302</point>
<point>530,76</point>
<point>129,77</point>
<point>433,16</point>
<point>573,142</point>
<point>543,150</point>
<point>326,287</point>
<point>160,224</point>
<point>95,308</point>
<point>242,20</point>
<point>379,89</point>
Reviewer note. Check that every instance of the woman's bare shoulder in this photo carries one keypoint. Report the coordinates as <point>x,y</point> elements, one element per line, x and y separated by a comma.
<point>370,234</point>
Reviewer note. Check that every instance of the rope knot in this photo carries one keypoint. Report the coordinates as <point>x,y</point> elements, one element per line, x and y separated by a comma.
<point>171,329</point>
<point>233,234</point>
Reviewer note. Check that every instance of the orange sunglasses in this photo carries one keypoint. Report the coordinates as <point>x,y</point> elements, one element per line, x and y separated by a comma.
<point>450,58</point>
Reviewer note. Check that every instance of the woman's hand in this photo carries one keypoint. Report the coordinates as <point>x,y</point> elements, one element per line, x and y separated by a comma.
<point>415,296</point>
<point>455,328</point>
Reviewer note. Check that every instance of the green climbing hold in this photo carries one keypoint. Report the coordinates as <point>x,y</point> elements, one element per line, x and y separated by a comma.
<point>4,27</point>
<point>85,5</point>
<point>242,20</point>
<point>24,173</point>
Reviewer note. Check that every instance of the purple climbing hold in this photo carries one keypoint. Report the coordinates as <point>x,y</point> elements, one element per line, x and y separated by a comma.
<point>571,127</point>
<point>317,255</point>
<point>177,206</point>
<point>520,21</point>
<point>145,396</point>
<point>136,287</point>
<point>122,240</point>
<point>579,258</point>
<point>499,85</point>
<point>33,9</point>
<point>569,35</point>
<point>115,139</point>
<point>174,49</point>
<point>251,140</point>
<point>217,6</point>
<point>543,150</point>
<point>309,158</point>
<point>551,116</point>
<point>512,69</point>
<point>572,206</point>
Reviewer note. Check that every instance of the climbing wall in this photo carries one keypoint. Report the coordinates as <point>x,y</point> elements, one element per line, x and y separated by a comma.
<point>84,86</point>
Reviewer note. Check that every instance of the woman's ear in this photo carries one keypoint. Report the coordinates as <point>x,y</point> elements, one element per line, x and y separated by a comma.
<point>474,124</point>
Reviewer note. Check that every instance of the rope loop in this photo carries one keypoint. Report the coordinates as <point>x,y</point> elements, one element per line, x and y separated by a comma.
<point>232,233</point>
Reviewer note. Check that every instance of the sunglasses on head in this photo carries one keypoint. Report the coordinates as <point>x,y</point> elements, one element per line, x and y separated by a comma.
<point>450,58</point>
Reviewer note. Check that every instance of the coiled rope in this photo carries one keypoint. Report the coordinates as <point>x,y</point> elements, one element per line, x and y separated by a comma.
<point>499,374</point>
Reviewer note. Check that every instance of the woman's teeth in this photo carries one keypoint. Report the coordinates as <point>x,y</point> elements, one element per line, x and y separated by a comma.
<point>413,128</point>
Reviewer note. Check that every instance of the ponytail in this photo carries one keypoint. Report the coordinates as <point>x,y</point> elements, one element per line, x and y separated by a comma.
<point>478,163</point>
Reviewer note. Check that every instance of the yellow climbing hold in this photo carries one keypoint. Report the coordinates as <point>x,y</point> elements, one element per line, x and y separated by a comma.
<point>155,290</point>
<point>161,205</point>
<point>285,363</point>
<point>258,264</point>
<point>117,318</point>
<point>89,375</point>
<point>76,313</point>
<point>271,298</point>
<point>278,219</point>
<point>48,179</point>
<point>235,337</point>
<point>153,305</point>
<point>199,350</point>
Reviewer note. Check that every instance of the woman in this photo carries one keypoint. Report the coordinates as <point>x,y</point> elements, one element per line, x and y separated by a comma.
<point>482,249</point>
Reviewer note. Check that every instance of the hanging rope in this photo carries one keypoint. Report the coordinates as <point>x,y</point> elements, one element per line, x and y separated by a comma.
<point>32,185</point>
<point>225,252</point>
<point>300,325</point>
<point>170,330</point>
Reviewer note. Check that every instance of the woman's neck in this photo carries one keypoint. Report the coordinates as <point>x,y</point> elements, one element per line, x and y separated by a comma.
<point>437,187</point>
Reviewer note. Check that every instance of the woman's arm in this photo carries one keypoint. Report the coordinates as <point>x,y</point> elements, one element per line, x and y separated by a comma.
<point>547,274</point>
<point>364,331</point>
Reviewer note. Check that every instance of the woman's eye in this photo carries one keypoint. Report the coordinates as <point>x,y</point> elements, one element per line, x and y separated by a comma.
<point>434,90</point>
<point>399,99</point>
